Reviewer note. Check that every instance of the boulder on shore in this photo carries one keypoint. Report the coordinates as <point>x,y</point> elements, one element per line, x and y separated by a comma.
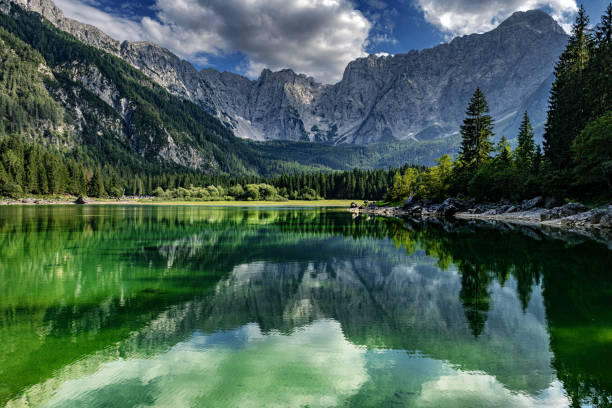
<point>606,220</point>
<point>409,202</point>
<point>80,200</point>
<point>531,204</point>
<point>512,209</point>
<point>552,202</point>
<point>563,211</point>
<point>416,211</point>
<point>449,207</point>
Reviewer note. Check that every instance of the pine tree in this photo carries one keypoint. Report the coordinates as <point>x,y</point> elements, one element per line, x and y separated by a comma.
<point>504,152</point>
<point>537,160</point>
<point>568,102</point>
<point>96,185</point>
<point>3,175</point>
<point>476,132</point>
<point>599,72</point>
<point>526,146</point>
<point>31,171</point>
<point>43,182</point>
<point>138,187</point>
<point>603,32</point>
<point>592,152</point>
<point>54,175</point>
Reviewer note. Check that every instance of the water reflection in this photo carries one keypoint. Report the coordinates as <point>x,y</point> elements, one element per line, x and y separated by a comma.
<point>185,305</point>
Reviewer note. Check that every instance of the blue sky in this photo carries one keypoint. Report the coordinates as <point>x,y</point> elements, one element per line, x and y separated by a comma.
<point>315,37</point>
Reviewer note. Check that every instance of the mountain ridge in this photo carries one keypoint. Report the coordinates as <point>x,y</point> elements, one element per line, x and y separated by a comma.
<point>418,96</point>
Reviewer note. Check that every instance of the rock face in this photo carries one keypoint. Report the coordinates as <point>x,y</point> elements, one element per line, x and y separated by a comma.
<point>419,95</point>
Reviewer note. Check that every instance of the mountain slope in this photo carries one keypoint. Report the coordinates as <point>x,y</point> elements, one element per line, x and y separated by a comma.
<point>414,96</point>
<point>92,101</point>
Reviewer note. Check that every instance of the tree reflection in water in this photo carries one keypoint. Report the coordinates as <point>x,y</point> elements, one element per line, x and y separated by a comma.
<point>139,280</point>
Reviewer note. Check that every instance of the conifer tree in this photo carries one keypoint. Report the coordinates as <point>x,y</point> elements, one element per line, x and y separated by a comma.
<point>526,146</point>
<point>476,132</point>
<point>603,32</point>
<point>3,176</point>
<point>599,72</point>
<point>96,185</point>
<point>31,170</point>
<point>567,105</point>
<point>504,152</point>
<point>537,160</point>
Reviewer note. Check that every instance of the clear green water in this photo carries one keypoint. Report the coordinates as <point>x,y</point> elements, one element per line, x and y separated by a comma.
<point>227,307</point>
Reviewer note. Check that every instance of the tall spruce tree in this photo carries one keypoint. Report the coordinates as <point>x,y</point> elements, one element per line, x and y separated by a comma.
<point>526,146</point>
<point>599,72</point>
<point>603,32</point>
<point>568,101</point>
<point>537,160</point>
<point>504,152</point>
<point>96,185</point>
<point>476,132</point>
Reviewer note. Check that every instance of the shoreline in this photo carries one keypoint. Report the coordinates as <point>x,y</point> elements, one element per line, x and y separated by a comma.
<point>151,202</point>
<point>572,229</point>
<point>571,216</point>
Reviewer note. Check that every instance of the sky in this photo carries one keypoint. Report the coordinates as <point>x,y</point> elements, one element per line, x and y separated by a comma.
<point>315,37</point>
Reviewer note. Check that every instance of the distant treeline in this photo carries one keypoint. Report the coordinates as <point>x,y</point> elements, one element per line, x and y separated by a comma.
<point>31,169</point>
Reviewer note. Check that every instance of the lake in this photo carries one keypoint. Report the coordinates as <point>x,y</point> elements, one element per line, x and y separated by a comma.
<point>180,306</point>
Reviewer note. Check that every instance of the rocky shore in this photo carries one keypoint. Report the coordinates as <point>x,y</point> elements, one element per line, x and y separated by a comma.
<point>535,211</point>
<point>71,200</point>
<point>35,201</point>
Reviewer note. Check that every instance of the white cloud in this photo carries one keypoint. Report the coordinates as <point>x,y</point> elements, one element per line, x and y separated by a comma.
<point>459,17</point>
<point>316,37</point>
<point>117,27</point>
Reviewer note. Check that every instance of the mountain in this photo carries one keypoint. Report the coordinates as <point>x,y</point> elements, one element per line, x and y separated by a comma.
<point>416,96</point>
<point>57,91</point>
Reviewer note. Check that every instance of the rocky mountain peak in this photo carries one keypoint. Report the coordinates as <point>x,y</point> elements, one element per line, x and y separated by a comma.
<point>283,76</point>
<point>420,95</point>
<point>536,20</point>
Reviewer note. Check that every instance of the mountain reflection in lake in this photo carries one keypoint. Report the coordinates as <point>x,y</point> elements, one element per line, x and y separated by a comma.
<point>230,307</point>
